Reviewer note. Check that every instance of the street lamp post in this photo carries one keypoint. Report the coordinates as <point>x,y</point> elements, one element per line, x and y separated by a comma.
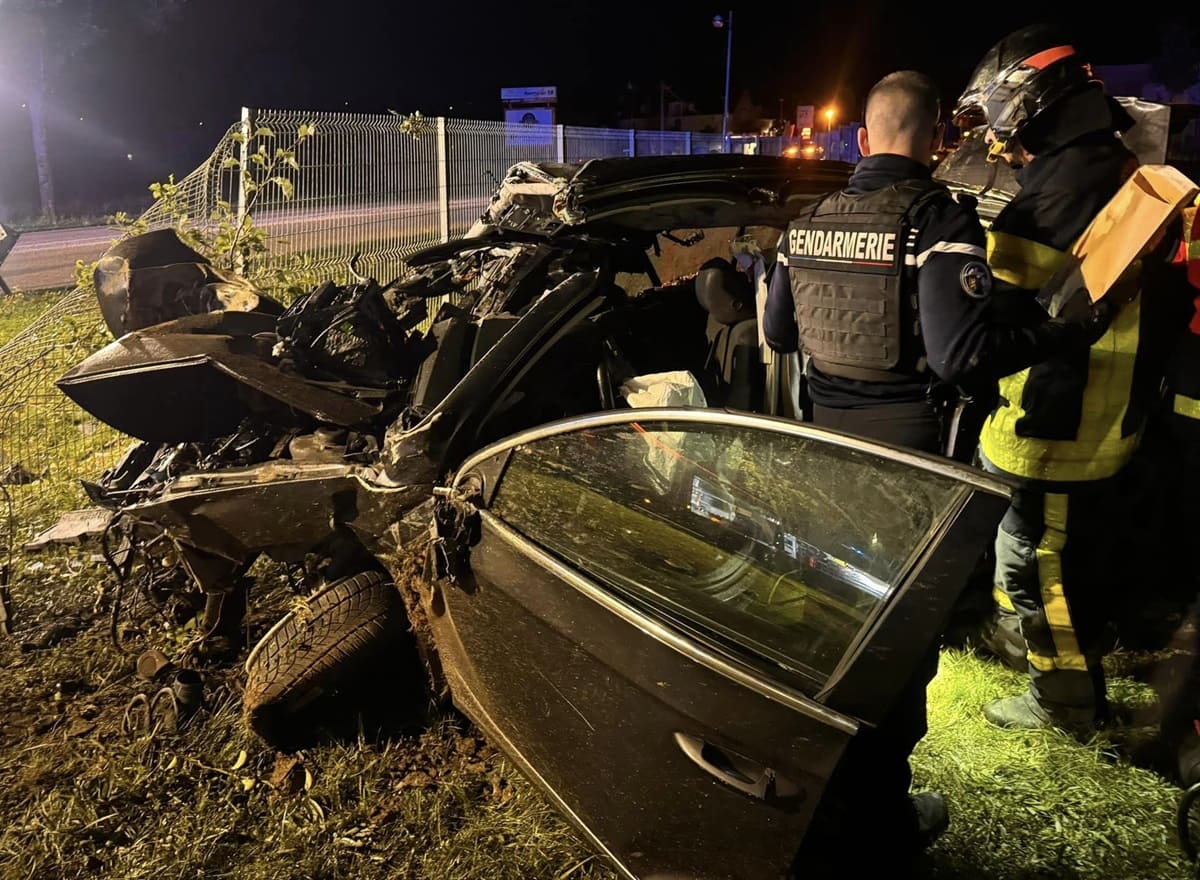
<point>726,22</point>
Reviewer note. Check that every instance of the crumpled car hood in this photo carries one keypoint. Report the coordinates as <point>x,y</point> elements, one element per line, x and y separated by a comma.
<point>656,193</point>
<point>155,277</point>
<point>200,376</point>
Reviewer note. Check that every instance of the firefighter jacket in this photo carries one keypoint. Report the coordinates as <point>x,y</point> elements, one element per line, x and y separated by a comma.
<point>1185,380</point>
<point>1079,415</point>
<point>886,287</point>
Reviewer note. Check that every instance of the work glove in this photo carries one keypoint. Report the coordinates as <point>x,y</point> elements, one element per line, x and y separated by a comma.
<point>1094,318</point>
<point>1068,300</point>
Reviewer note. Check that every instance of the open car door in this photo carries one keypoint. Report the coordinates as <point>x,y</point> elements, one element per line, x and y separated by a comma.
<point>674,621</point>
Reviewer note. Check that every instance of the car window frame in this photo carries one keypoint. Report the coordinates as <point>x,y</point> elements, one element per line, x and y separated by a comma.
<point>490,463</point>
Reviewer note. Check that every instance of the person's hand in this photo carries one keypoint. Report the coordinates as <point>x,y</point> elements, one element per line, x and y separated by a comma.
<point>1072,305</point>
<point>1097,323</point>
<point>1093,317</point>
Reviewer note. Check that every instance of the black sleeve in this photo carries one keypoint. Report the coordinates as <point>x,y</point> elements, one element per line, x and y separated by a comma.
<point>779,316</point>
<point>964,343</point>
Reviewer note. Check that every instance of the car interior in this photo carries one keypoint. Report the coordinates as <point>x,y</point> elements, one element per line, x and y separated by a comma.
<point>683,303</point>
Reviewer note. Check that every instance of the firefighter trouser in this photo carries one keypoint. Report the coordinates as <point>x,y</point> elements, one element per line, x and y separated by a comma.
<point>1052,570</point>
<point>1185,496</point>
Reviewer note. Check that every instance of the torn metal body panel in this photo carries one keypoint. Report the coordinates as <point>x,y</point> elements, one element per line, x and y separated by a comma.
<point>151,278</point>
<point>205,375</point>
<point>73,527</point>
<point>280,507</point>
<point>656,193</point>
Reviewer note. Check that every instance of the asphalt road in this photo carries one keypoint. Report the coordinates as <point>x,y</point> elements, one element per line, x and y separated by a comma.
<point>45,260</point>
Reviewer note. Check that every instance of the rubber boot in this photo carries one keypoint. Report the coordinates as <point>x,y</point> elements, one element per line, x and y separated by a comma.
<point>1024,712</point>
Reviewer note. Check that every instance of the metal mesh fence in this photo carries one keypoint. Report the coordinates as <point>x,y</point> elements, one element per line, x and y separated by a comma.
<point>366,185</point>
<point>581,144</point>
<point>479,152</point>
<point>47,443</point>
<point>375,187</point>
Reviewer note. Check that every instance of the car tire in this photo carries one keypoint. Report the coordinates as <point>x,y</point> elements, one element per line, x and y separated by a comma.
<point>318,652</point>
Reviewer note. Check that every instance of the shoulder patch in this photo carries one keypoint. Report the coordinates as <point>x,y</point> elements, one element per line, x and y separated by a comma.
<point>975,279</point>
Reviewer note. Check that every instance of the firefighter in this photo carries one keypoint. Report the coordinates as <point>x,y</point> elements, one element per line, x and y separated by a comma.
<point>1068,427</point>
<point>885,287</point>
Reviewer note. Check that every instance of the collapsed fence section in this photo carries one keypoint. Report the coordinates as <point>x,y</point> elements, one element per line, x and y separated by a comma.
<point>326,190</point>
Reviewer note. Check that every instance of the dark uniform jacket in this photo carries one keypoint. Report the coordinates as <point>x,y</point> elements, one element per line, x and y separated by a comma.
<point>962,344</point>
<point>1078,415</point>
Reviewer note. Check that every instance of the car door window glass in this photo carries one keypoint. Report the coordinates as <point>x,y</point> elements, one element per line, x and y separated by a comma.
<point>764,542</point>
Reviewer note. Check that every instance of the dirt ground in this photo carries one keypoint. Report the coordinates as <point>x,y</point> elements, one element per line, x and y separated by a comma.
<point>88,792</point>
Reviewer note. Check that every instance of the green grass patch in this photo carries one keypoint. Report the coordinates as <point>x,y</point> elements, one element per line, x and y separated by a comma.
<point>21,309</point>
<point>1039,804</point>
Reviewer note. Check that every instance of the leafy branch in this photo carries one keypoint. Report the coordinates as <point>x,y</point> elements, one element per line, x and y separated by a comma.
<point>229,238</point>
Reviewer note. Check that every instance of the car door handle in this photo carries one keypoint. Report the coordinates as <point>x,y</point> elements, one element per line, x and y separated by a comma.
<point>738,771</point>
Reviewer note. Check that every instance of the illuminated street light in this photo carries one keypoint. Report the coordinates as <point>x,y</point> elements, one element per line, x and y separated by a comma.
<point>829,119</point>
<point>720,22</point>
<point>129,156</point>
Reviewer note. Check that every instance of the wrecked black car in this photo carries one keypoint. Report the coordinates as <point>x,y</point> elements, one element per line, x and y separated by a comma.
<point>556,460</point>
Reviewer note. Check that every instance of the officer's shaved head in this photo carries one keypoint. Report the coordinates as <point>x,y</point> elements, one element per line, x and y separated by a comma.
<point>902,114</point>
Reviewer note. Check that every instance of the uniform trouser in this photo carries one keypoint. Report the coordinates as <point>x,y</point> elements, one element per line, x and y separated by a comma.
<point>866,822</point>
<point>917,425</point>
<point>869,792</point>
<point>1053,552</point>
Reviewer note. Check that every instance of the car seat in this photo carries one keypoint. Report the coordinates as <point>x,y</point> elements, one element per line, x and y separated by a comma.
<point>734,360</point>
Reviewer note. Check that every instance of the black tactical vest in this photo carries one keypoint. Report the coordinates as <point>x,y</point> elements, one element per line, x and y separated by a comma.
<point>852,265</point>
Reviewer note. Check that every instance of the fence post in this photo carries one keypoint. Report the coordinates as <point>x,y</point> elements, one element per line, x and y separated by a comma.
<point>443,169</point>
<point>687,143</point>
<point>632,144</point>
<point>560,140</point>
<point>243,197</point>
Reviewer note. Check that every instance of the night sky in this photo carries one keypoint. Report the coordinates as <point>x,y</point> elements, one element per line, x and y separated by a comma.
<point>147,94</point>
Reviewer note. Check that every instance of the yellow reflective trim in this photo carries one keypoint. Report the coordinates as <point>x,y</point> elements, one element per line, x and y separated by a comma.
<point>1187,406</point>
<point>1040,663</point>
<point>1054,600</point>
<point>1022,262</point>
<point>1098,450</point>
<point>1002,599</point>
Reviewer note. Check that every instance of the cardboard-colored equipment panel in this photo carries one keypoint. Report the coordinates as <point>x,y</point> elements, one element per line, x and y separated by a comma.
<point>1130,223</point>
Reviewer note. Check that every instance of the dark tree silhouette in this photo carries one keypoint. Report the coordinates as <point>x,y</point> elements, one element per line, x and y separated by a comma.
<point>39,38</point>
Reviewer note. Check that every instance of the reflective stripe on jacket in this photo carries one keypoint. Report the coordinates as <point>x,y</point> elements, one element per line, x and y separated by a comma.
<point>1067,419</point>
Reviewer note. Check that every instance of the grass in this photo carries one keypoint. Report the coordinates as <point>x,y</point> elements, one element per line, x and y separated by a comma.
<point>39,223</point>
<point>1040,804</point>
<point>82,799</point>
<point>21,309</point>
